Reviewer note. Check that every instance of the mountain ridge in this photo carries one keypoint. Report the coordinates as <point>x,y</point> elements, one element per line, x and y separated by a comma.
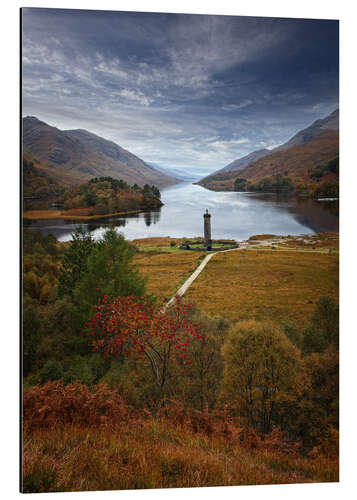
<point>322,135</point>
<point>80,155</point>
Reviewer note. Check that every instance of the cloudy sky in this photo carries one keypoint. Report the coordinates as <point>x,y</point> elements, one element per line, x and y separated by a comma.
<point>182,91</point>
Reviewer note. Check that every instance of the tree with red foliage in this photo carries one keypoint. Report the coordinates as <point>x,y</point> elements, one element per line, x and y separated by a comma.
<point>137,329</point>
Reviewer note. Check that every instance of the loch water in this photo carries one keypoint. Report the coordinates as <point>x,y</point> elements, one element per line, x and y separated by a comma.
<point>234,216</point>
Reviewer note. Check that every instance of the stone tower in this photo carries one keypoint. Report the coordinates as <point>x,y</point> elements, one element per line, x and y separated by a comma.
<point>207,229</point>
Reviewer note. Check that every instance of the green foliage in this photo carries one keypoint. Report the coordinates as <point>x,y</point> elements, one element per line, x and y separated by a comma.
<point>107,195</point>
<point>331,167</point>
<point>109,271</point>
<point>241,184</point>
<point>74,262</point>
<point>85,369</point>
<point>31,336</point>
<point>327,189</point>
<point>34,240</point>
<point>199,386</point>
<point>40,270</point>
<point>52,370</point>
<point>318,408</point>
<point>274,184</point>
<point>80,371</point>
<point>151,191</point>
<point>293,333</point>
<point>38,188</point>
<point>90,199</point>
<point>323,329</point>
<point>260,371</point>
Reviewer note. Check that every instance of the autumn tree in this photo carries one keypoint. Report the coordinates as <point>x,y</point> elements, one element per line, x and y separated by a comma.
<point>260,370</point>
<point>319,406</point>
<point>137,329</point>
<point>199,386</point>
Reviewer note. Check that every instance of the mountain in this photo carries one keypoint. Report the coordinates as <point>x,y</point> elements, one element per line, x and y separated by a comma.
<point>296,161</point>
<point>331,122</point>
<point>236,165</point>
<point>182,175</point>
<point>244,162</point>
<point>311,147</point>
<point>78,155</point>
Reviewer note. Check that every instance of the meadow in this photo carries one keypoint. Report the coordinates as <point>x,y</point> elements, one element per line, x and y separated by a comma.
<point>264,284</point>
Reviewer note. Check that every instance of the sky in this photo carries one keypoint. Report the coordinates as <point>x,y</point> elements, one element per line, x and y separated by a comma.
<point>190,92</point>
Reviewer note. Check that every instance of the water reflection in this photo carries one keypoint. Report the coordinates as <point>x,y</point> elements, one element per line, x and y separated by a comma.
<point>234,215</point>
<point>152,217</point>
<point>315,215</point>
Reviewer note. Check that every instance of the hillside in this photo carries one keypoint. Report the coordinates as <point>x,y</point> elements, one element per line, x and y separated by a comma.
<point>79,155</point>
<point>239,164</point>
<point>312,147</point>
<point>297,161</point>
<point>331,122</point>
<point>39,188</point>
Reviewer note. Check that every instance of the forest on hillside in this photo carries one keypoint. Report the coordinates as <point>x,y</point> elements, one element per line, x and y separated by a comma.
<point>98,196</point>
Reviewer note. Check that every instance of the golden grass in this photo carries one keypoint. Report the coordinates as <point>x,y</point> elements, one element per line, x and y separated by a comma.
<point>279,285</point>
<point>155,453</point>
<point>65,214</point>
<point>156,242</point>
<point>263,237</point>
<point>262,284</point>
<point>166,271</point>
<point>327,241</point>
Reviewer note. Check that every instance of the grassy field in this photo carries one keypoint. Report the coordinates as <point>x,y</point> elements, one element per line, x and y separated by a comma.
<point>70,215</point>
<point>261,284</point>
<point>265,284</point>
<point>166,270</point>
<point>155,454</point>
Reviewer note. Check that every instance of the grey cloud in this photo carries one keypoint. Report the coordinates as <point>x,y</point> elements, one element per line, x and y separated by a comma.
<point>163,85</point>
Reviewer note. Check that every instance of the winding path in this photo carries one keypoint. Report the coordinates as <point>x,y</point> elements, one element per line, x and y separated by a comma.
<point>199,269</point>
<point>196,273</point>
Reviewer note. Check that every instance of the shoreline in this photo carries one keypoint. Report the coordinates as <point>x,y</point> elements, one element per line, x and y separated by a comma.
<point>57,214</point>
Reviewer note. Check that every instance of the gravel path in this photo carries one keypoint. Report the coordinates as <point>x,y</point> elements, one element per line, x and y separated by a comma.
<point>196,273</point>
<point>244,244</point>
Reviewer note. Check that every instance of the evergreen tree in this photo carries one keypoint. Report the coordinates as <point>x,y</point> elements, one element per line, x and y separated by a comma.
<point>109,271</point>
<point>74,262</point>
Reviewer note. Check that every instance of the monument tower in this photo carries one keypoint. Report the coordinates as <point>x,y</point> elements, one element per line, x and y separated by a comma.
<point>207,230</point>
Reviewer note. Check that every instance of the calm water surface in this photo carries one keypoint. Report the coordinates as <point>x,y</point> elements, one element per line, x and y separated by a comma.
<point>234,215</point>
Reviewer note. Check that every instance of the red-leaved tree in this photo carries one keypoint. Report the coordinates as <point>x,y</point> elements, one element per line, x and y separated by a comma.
<point>139,330</point>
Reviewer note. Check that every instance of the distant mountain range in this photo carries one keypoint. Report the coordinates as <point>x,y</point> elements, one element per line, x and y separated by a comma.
<point>243,162</point>
<point>180,174</point>
<point>311,147</point>
<point>74,156</point>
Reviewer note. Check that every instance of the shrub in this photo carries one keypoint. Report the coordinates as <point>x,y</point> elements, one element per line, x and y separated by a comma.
<point>56,403</point>
<point>260,370</point>
<point>324,327</point>
<point>52,370</point>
